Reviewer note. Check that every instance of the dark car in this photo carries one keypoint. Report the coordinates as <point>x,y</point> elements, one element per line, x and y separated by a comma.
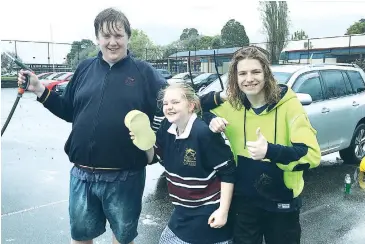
<point>183,77</point>
<point>203,80</point>
<point>60,88</point>
<point>165,73</point>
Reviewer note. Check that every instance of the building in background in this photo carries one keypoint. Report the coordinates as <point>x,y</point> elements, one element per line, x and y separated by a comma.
<point>339,49</point>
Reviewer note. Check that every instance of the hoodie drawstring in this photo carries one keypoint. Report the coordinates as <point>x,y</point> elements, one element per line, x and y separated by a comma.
<point>275,127</point>
<point>244,129</point>
<point>276,122</point>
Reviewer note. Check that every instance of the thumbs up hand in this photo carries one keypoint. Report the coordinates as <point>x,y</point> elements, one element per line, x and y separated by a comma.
<point>258,148</point>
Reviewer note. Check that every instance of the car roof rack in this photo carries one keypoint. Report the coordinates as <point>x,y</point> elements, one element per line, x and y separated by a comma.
<point>335,64</point>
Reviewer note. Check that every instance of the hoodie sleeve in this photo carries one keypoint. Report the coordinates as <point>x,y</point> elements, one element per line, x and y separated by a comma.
<point>304,152</point>
<point>210,101</point>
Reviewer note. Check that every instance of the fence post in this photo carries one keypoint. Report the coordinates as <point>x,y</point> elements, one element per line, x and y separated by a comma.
<point>349,44</point>
<point>48,58</point>
<point>16,52</point>
<point>78,54</point>
<point>308,51</point>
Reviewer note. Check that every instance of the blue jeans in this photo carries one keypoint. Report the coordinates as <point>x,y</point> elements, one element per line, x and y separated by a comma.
<point>98,196</point>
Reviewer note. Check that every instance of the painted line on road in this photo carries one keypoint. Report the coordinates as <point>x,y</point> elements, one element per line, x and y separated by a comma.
<point>33,208</point>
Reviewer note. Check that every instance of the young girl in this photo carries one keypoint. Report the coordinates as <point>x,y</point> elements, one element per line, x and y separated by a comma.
<point>199,170</point>
<point>273,142</point>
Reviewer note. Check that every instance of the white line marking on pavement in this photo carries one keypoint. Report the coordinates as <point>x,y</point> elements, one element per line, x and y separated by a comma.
<point>33,208</point>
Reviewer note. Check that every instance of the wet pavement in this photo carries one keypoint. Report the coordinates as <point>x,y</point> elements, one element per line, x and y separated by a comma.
<point>35,178</point>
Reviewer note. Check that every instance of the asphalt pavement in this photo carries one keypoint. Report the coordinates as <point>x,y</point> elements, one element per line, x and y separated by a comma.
<point>35,181</point>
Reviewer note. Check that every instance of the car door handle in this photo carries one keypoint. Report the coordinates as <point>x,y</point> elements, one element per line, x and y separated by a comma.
<point>325,110</point>
<point>355,104</point>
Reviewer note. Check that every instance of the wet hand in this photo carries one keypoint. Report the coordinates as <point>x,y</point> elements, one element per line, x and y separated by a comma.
<point>218,218</point>
<point>218,124</point>
<point>258,148</point>
<point>34,84</point>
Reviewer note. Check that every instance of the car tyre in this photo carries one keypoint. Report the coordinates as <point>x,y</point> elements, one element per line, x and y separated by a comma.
<point>356,151</point>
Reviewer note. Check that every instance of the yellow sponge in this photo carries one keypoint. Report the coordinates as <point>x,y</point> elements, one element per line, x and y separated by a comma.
<point>361,176</point>
<point>139,123</point>
<point>362,165</point>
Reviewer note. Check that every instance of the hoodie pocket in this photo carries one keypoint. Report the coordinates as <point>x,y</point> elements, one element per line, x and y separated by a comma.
<point>256,178</point>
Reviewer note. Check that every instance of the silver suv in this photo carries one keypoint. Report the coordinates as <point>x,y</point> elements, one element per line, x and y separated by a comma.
<point>334,97</point>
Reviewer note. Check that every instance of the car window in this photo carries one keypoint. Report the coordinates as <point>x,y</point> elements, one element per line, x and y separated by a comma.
<point>58,75</point>
<point>334,83</point>
<point>309,83</point>
<point>356,81</point>
<point>347,83</point>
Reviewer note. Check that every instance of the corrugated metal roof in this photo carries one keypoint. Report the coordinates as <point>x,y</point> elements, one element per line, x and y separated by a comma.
<point>202,53</point>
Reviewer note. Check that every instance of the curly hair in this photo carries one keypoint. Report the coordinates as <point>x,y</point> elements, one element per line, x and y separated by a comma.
<point>271,87</point>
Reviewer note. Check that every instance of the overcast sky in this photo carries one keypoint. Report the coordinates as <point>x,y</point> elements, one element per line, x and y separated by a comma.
<point>162,20</point>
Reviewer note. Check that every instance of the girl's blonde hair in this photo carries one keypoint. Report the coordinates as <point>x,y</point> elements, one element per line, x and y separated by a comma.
<point>188,93</point>
<point>271,88</point>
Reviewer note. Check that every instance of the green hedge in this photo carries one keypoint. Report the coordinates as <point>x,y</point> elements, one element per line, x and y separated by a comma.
<point>9,81</point>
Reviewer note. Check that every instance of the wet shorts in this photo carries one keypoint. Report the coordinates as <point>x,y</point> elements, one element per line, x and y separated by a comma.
<point>95,197</point>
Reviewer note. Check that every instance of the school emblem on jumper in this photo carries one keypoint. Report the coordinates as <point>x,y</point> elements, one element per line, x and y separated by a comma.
<point>129,81</point>
<point>189,157</point>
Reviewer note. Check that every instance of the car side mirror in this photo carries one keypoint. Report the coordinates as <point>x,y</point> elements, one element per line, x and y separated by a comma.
<point>305,99</point>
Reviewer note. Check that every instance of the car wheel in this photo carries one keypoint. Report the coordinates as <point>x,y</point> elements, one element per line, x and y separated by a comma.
<point>356,151</point>
<point>202,88</point>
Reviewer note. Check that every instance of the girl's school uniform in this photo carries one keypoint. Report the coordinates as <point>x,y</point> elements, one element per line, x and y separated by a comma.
<point>196,162</point>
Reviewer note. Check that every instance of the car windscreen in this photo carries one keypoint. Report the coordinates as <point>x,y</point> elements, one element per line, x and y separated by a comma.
<point>201,77</point>
<point>62,77</point>
<point>179,76</point>
<point>216,85</point>
<point>282,77</point>
<point>58,75</point>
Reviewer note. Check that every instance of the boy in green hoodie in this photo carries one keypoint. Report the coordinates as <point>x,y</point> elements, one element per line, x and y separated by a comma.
<point>273,142</point>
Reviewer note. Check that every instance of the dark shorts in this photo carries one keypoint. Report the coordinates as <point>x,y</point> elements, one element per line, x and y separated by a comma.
<point>96,197</point>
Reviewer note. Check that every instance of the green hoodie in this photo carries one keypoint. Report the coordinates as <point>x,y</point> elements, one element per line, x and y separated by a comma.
<point>292,148</point>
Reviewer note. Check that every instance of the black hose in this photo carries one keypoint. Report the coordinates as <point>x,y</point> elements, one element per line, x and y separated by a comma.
<point>216,70</point>
<point>11,113</point>
<point>191,77</point>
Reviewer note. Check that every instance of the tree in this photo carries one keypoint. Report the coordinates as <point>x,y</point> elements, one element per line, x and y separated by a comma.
<point>234,35</point>
<point>173,48</point>
<point>275,20</point>
<point>188,33</point>
<point>299,35</point>
<point>356,28</point>
<point>7,65</point>
<point>139,44</point>
<point>217,42</point>
<point>76,48</point>
<point>87,52</point>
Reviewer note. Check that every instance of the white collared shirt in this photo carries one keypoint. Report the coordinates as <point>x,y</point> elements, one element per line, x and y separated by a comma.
<point>186,133</point>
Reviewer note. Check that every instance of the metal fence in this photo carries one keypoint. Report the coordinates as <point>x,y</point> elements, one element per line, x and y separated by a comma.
<point>49,56</point>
